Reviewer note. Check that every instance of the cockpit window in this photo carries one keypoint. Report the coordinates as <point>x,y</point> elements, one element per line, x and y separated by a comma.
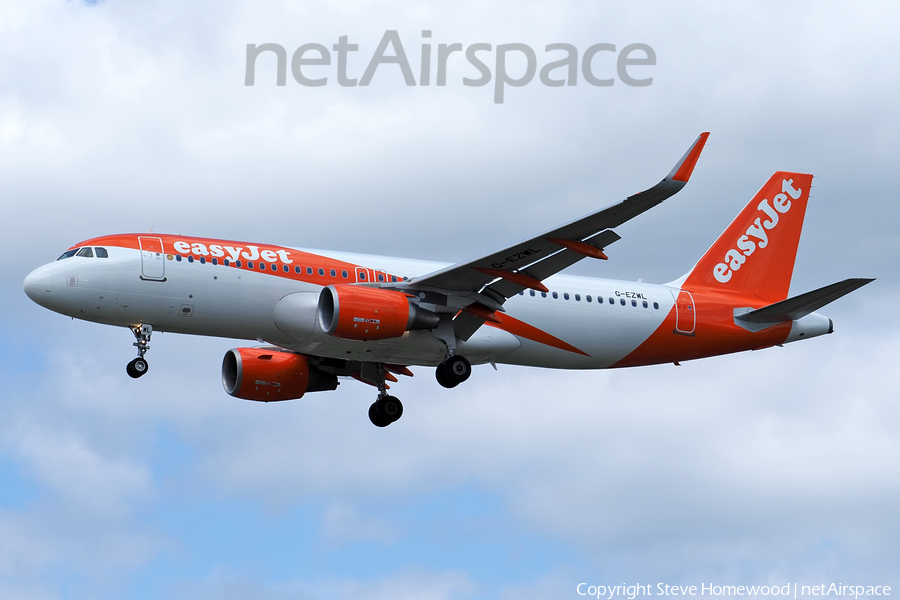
<point>86,253</point>
<point>101,253</point>
<point>68,254</point>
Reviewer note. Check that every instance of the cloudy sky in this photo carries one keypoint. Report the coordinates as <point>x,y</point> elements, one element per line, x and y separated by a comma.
<point>765,468</point>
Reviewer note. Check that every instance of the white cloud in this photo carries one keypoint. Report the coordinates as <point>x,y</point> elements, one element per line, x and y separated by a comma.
<point>65,462</point>
<point>343,523</point>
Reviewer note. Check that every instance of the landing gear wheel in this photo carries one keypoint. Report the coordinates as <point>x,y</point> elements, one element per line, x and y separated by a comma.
<point>137,368</point>
<point>453,371</point>
<point>443,378</point>
<point>390,407</point>
<point>458,368</point>
<point>378,419</point>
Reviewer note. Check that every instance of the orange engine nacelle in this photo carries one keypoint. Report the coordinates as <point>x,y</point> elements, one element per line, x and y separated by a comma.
<point>363,313</point>
<point>268,375</point>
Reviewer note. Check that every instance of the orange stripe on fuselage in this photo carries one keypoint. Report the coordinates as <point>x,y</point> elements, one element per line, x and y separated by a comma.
<point>715,333</point>
<point>295,257</point>
<point>524,330</point>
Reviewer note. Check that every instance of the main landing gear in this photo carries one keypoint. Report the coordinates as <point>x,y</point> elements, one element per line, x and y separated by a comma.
<point>139,366</point>
<point>453,371</point>
<point>386,409</point>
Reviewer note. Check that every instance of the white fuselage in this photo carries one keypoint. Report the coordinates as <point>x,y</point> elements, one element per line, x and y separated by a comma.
<point>214,300</point>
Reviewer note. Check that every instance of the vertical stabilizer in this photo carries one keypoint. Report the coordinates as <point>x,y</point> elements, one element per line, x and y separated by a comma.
<point>755,255</point>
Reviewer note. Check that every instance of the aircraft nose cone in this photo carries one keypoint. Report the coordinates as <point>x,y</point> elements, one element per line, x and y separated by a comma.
<point>38,285</point>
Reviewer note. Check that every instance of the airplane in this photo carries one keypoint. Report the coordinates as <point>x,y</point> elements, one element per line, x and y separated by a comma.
<point>318,316</point>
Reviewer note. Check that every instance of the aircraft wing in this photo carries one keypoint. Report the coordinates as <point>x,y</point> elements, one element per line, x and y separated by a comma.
<point>524,264</point>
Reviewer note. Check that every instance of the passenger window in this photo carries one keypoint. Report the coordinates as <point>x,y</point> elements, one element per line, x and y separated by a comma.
<point>531,292</point>
<point>344,274</point>
<point>249,265</point>
<point>577,297</point>
<point>86,253</point>
<point>611,301</point>
<point>588,298</point>
<point>634,303</point>
<point>237,263</point>
<point>67,254</point>
<point>190,258</point>
<point>297,270</point>
<point>333,273</point>
<point>321,271</point>
<point>362,276</point>
<point>178,257</point>
<point>622,301</point>
<point>566,295</point>
<point>380,277</point>
<point>393,278</point>
<point>555,296</point>
<point>226,262</point>
<point>202,260</point>
<point>101,253</point>
<point>543,294</point>
<point>522,293</point>
<point>275,267</point>
<point>287,269</point>
<point>656,305</point>
<point>309,270</point>
<point>645,304</point>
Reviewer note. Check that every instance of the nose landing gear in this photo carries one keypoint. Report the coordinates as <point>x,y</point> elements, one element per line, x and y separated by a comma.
<point>137,367</point>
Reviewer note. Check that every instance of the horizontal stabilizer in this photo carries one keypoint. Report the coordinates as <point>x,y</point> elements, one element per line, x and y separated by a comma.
<point>798,307</point>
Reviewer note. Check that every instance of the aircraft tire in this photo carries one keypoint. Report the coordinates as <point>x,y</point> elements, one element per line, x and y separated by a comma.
<point>378,420</point>
<point>390,408</point>
<point>458,368</point>
<point>443,378</point>
<point>137,368</point>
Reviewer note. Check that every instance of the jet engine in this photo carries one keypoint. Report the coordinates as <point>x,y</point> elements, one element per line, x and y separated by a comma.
<point>269,374</point>
<point>363,313</point>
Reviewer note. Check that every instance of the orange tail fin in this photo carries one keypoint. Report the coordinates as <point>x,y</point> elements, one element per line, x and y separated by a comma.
<point>755,255</point>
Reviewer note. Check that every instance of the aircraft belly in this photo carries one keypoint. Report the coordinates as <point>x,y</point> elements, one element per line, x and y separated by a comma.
<point>488,344</point>
<point>412,348</point>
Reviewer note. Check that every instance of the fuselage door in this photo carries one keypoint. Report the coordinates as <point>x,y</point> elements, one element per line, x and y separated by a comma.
<point>153,260</point>
<point>363,275</point>
<point>685,315</point>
